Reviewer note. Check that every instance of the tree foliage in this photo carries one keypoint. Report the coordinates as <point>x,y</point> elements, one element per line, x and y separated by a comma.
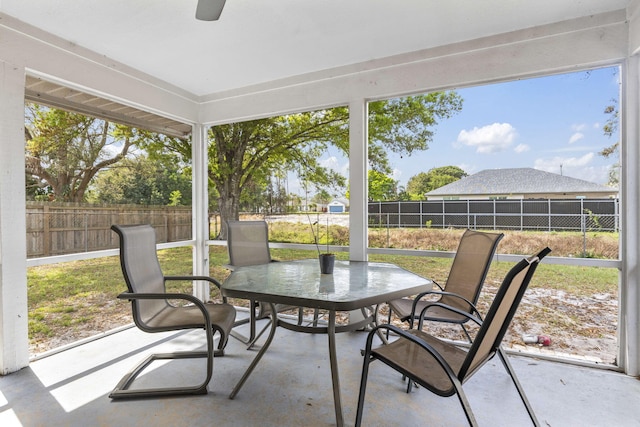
<point>143,181</point>
<point>381,187</point>
<point>610,129</point>
<point>247,155</point>
<point>420,184</point>
<point>65,150</point>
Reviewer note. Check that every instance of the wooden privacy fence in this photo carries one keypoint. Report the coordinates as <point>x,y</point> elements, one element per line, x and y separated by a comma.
<point>57,229</point>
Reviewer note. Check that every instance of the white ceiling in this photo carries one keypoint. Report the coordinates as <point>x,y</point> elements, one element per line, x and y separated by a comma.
<point>258,41</point>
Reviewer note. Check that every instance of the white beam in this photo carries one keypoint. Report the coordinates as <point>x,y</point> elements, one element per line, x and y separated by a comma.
<point>14,343</point>
<point>200,211</point>
<point>358,189</point>
<point>629,324</point>
<point>60,61</point>
<point>561,47</point>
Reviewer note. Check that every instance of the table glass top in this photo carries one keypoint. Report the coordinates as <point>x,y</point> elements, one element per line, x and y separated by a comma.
<point>351,281</point>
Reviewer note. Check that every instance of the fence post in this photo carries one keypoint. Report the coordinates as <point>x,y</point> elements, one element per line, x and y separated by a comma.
<point>388,231</point>
<point>469,216</point>
<point>494,214</point>
<point>86,231</point>
<point>584,234</point>
<point>46,229</point>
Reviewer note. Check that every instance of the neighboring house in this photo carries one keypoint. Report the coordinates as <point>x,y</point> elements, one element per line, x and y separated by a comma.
<point>520,183</point>
<point>338,206</point>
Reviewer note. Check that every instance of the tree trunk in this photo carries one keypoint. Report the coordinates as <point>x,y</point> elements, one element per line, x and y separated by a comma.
<point>229,206</point>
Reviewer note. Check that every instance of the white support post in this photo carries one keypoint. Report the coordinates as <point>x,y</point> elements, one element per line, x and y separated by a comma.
<point>358,162</point>
<point>358,188</point>
<point>14,333</point>
<point>200,210</point>
<point>629,318</point>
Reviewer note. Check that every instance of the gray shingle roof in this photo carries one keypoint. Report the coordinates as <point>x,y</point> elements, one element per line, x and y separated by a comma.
<point>518,181</point>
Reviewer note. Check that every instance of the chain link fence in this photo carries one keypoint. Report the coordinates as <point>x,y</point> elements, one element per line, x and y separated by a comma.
<point>534,215</point>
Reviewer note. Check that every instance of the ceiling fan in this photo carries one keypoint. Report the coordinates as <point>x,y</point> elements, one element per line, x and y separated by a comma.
<point>209,10</point>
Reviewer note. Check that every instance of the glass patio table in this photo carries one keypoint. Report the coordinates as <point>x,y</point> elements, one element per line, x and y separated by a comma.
<point>354,285</point>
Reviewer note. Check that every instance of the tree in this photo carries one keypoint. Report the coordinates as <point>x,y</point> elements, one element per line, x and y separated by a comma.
<point>420,184</point>
<point>322,197</point>
<point>381,187</point>
<point>610,129</point>
<point>143,181</point>
<point>248,152</point>
<point>65,150</point>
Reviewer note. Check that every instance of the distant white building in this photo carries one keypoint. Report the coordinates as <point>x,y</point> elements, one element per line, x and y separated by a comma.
<point>520,183</point>
<point>337,206</point>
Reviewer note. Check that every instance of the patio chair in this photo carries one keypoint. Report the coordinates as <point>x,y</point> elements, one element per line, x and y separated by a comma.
<point>462,288</point>
<point>443,367</point>
<point>153,311</point>
<point>248,244</point>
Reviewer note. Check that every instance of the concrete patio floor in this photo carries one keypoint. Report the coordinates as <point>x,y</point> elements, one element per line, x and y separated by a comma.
<point>292,386</point>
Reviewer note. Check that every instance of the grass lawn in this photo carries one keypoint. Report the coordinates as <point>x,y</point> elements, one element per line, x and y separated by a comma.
<point>74,300</point>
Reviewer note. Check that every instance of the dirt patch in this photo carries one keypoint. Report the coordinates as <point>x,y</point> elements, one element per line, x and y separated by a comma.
<point>580,327</point>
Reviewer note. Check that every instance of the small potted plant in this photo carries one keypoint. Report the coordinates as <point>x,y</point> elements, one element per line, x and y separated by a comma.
<point>327,259</point>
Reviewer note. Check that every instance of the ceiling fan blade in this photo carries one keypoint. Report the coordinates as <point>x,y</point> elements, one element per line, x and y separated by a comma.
<point>209,10</point>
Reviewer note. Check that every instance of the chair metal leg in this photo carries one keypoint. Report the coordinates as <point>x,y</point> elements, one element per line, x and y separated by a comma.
<point>122,390</point>
<point>250,340</point>
<point>512,374</point>
<point>333,360</point>
<point>258,335</point>
<point>363,386</point>
<point>466,333</point>
<point>462,398</point>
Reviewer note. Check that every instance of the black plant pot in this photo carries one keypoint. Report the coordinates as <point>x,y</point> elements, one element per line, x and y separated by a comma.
<point>326,263</point>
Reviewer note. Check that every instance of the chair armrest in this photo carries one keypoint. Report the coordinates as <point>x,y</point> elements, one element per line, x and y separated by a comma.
<point>207,278</point>
<point>164,295</point>
<point>442,293</point>
<point>176,296</point>
<point>477,320</point>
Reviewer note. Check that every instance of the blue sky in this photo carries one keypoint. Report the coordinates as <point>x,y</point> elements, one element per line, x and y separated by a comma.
<point>549,123</point>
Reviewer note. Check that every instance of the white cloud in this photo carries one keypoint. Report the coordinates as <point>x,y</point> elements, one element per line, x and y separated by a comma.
<point>576,137</point>
<point>579,127</point>
<point>575,167</point>
<point>554,163</point>
<point>336,164</point>
<point>330,163</point>
<point>489,139</point>
<point>521,148</point>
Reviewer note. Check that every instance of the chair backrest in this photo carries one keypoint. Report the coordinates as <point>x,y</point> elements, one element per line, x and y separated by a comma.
<point>470,267</point>
<point>500,314</point>
<point>248,243</point>
<point>141,269</point>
